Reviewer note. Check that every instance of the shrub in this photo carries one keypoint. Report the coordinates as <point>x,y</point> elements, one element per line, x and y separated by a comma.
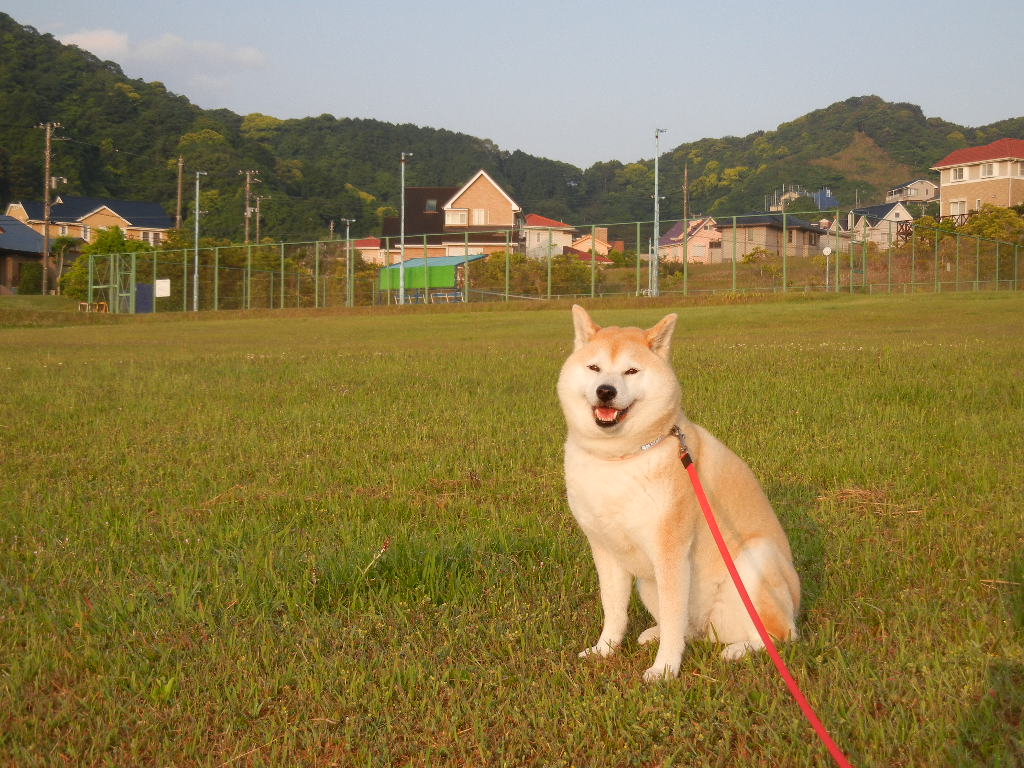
<point>31,280</point>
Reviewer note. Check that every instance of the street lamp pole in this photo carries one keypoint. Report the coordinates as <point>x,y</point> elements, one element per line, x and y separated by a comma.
<point>401,258</point>
<point>195,261</point>
<point>349,271</point>
<point>655,289</point>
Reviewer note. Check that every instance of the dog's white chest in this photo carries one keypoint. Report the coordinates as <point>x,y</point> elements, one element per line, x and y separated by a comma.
<point>618,506</point>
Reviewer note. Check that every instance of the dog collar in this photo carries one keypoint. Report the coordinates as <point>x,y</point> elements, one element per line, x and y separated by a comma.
<point>646,446</point>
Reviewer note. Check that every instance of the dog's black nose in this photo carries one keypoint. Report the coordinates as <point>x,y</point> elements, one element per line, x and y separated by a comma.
<point>606,393</point>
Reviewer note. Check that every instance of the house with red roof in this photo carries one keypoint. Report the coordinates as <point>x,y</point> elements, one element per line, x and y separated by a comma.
<point>543,236</point>
<point>992,174</point>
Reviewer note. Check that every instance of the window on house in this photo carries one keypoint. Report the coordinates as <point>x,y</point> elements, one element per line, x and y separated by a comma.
<point>1020,168</point>
<point>977,204</point>
<point>455,218</point>
<point>956,174</point>
<point>479,216</point>
<point>789,235</point>
<point>431,206</point>
<point>988,170</point>
<point>85,232</point>
<point>63,230</point>
<point>957,207</point>
<point>750,235</point>
<point>812,238</point>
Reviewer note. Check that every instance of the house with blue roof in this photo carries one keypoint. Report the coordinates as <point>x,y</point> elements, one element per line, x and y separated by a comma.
<point>19,244</point>
<point>85,217</point>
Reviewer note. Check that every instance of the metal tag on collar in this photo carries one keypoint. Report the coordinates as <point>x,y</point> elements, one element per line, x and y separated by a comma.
<point>654,442</point>
<point>684,451</point>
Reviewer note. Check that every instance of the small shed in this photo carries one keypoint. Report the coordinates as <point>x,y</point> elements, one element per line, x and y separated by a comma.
<point>434,272</point>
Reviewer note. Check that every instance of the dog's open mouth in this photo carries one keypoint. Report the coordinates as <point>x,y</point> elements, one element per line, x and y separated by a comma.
<point>606,416</point>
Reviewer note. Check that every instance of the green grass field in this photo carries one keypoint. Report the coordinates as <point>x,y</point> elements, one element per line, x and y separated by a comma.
<point>195,514</point>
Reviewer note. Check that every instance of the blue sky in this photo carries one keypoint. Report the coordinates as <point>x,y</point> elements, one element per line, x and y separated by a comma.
<point>574,81</point>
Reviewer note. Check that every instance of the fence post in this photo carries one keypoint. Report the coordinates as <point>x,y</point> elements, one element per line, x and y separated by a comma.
<point>426,271</point>
<point>92,275</point>
<point>281,300</point>
<point>638,258</point>
<point>593,259</point>
<point>465,264</point>
<point>997,265</point>
<point>549,263</point>
<point>734,254</point>
<point>216,278</point>
<point>247,293</point>
<point>1015,286</point>
<point>977,263</point>
<point>888,257</point>
<point>131,291</point>
<point>184,280</point>
<point>785,250</point>
<point>913,257</point>
<point>936,265</point>
<point>956,278</point>
<point>316,275</point>
<point>154,281</point>
<point>686,257</point>
<point>508,257</point>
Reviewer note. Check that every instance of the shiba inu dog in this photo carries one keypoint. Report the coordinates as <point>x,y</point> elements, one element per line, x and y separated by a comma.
<point>635,503</point>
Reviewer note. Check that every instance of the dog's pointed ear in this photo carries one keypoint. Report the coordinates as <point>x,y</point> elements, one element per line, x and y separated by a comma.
<point>584,326</point>
<point>659,338</point>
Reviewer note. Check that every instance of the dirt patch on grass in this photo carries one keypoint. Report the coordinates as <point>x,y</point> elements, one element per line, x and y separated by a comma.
<point>863,160</point>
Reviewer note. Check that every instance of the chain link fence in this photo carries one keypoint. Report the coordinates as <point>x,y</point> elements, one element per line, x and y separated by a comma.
<point>777,252</point>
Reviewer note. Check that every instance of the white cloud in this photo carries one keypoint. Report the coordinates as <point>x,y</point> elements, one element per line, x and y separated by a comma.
<point>205,70</point>
<point>105,43</point>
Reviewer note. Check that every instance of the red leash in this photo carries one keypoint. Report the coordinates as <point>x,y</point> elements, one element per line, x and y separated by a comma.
<point>794,689</point>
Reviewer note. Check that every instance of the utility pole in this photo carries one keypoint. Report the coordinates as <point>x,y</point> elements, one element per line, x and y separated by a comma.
<point>655,289</point>
<point>331,235</point>
<point>181,171</point>
<point>686,194</point>
<point>258,199</point>
<point>47,184</point>
<point>195,263</point>
<point>350,294</point>
<point>251,177</point>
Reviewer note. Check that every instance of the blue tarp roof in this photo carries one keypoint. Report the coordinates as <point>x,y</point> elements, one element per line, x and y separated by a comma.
<point>441,261</point>
<point>19,237</point>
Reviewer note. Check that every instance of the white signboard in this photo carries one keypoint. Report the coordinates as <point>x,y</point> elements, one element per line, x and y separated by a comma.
<point>162,289</point>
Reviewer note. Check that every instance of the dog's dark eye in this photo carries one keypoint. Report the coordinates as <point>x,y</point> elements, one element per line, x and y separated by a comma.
<point>630,372</point>
<point>594,368</point>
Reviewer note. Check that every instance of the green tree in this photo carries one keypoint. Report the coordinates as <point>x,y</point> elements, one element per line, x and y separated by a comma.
<point>75,283</point>
<point>996,223</point>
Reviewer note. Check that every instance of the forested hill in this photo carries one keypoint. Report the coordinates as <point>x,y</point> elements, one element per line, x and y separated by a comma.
<point>122,138</point>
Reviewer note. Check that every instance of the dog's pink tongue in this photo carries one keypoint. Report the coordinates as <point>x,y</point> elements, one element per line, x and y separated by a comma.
<point>606,414</point>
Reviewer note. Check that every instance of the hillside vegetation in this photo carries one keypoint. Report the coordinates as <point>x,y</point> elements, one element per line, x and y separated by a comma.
<point>123,137</point>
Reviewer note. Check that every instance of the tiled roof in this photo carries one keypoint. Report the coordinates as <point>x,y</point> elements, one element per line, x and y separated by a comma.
<point>19,237</point>
<point>997,150</point>
<point>874,213</point>
<point>773,220</point>
<point>536,220</point>
<point>418,220</point>
<point>72,209</point>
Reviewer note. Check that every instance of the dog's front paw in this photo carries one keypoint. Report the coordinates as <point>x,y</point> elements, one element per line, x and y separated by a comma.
<point>736,651</point>
<point>661,672</point>
<point>603,649</point>
<point>649,635</point>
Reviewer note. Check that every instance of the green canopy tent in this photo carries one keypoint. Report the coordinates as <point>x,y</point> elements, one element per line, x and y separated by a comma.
<point>438,273</point>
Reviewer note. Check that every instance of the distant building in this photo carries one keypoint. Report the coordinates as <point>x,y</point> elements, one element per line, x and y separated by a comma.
<point>700,242</point>
<point>769,231</point>
<point>972,177</point>
<point>543,236</point>
<point>85,217</point>
<point>19,244</point>
<point>916,191</point>
<point>478,217</point>
<point>879,224</point>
